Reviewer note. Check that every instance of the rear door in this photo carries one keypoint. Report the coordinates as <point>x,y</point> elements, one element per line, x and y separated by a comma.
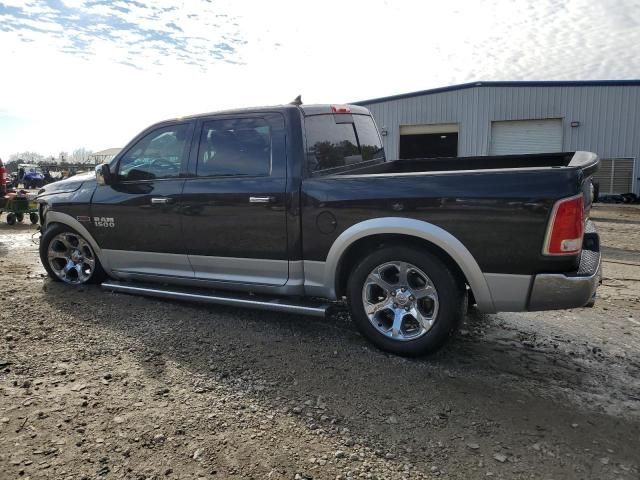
<point>234,203</point>
<point>136,220</point>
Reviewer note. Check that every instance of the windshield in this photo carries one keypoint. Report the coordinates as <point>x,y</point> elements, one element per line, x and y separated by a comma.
<point>333,146</point>
<point>30,169</point>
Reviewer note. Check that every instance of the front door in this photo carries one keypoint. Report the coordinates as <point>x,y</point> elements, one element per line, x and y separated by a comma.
<point>234,203</point>
<point>136,220</point>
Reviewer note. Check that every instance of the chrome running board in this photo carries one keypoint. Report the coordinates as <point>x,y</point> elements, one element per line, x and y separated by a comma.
<point>276,304</point>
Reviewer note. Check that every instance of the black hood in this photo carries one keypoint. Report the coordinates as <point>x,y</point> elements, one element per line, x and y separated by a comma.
<point>67,185</point>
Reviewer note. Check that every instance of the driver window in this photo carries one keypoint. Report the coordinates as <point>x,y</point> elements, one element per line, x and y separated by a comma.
<point>158,154</point>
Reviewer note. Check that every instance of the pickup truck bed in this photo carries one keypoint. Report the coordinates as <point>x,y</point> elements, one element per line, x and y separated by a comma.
<point>480,203</point>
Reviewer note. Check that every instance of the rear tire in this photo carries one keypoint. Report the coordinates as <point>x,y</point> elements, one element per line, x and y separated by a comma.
<point>33,217</point>
<point>11,218</point>
<point>68,257</point>
<point>20,217</point>
<point>414,301</point>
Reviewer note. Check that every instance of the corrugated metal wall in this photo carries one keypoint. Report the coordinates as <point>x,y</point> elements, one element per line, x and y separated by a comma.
<point>609,116</point>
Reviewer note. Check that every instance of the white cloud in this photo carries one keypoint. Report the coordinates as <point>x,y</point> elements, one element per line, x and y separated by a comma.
<point>94,74</point>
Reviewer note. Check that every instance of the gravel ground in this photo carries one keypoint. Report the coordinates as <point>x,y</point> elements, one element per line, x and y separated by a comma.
<point>101,385</point>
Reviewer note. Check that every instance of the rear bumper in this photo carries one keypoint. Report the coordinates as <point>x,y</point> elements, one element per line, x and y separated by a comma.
<point>553,291</point>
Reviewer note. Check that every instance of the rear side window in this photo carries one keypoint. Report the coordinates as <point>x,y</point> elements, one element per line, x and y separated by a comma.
<point>235,147</point>
<point>333,145</point>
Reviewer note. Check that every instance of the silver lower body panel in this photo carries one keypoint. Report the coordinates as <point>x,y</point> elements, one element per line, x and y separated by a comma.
<point>509,293</point>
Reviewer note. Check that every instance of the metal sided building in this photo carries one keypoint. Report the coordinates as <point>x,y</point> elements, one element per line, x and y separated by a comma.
<point>499,118</point>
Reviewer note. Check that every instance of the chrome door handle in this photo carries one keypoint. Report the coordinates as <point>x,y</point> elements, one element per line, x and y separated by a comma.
<point>161,201</point>
<point>261,199</point>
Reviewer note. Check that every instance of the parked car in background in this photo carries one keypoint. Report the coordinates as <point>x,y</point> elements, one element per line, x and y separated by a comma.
<point>275,207</point>
<point>30,176</point>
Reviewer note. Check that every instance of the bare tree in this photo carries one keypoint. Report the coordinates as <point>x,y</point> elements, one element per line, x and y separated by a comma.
<point>63,157</point>
<point>26,157</point>
<point>80,155</point>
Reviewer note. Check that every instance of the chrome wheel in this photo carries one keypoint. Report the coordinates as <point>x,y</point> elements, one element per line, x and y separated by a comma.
<point>400,300</point>
<point>71,258</point>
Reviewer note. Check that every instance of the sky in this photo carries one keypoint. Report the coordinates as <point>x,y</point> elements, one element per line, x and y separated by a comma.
<point>94,73</point>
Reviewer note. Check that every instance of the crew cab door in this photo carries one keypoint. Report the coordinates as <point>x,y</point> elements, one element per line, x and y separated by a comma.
<point>234,203</point>
<point>136,219</point>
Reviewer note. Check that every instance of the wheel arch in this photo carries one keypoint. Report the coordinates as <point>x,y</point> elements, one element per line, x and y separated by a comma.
<point>370,232</point>
<point>53,217</point>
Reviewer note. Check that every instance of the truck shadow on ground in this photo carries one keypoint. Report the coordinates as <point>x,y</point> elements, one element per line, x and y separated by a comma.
<point>478,382</point>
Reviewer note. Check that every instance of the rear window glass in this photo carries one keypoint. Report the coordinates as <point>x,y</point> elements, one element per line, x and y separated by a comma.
<point>334,145</point>
<point>370,146</point>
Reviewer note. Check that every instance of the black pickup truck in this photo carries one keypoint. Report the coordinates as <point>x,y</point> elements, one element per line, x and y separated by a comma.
<point>292,208</point>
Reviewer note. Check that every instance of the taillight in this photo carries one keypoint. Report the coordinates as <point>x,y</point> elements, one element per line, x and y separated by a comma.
<point>3,175</point>
<point>566,227</point>
<point>340,109</point>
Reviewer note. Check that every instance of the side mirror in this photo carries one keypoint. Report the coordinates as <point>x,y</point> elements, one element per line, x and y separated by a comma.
<point>103,174</point>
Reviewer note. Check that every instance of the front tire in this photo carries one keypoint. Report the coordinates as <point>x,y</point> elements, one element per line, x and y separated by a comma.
<point>68,257</point>
<point>405,300</point>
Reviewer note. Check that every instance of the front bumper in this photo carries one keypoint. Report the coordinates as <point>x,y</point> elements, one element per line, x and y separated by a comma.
<point>555,291</point>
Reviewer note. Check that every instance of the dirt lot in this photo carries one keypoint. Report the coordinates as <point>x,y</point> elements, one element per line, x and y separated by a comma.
<point>100,385</point>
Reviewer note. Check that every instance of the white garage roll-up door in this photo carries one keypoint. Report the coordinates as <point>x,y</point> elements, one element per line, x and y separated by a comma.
<point>526,136</point>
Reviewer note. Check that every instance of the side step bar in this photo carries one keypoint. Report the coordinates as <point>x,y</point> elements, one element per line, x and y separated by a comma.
<point>275,304</point>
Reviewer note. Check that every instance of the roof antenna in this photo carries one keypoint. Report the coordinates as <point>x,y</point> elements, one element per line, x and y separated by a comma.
<point>297,101</point>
